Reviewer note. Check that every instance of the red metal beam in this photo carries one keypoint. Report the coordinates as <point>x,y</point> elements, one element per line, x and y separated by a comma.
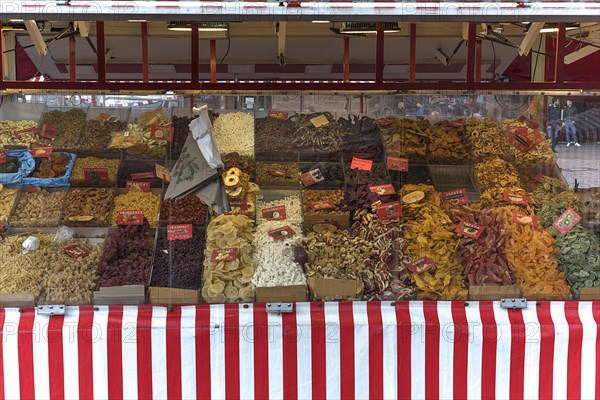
<point>471,52</point>
<point>213,61</point>
<point>478,57</point>
<point>145,75</point>
<point>561,42</point>
<point>379,53</point>
<point>195,53</point>
<point>346,60</point>
<point>72,59</point>
<point>101,49</point>
<point>413,53</point>
<point>1,54</point>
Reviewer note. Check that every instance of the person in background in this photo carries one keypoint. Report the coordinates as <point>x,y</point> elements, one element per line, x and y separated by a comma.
<point>553,121</point>
<point>420,109</point>
<point>401,109</point>
<point>568,116</point>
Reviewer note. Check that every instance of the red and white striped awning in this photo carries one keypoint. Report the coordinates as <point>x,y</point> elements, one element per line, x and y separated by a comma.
<point>418,350</point>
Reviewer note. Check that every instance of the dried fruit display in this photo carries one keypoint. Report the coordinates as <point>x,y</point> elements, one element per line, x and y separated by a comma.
<point>241,162</point>
<point>68,125</point>
<point>9,133</point>
<point>181,128</point>
<point>293,209</point>
<point>178,263</point>
<point>316,139</point>
<point>234,132</point>
<point>333,196</point>
<point>495,197</point>
<point>430,233</point>
<point>385,276</point>
<point>361,137</point>
<point>229,237</point>
<point>539,155</point>
<point>554,197</point>
<point>445,143</point>
<point>147,202</point>
<point>127,256</point>
<point>78,175</point>
<point>187,210</point>
<point>378,175</point>
<point>97,134</point>
<point>40,208</point>
<point>7,201</point>
<point>277,174</point>
<point>332,173</point>
<point>483,259</point>
<point>591,203</point>
<point>486,140</point>
<point>405,138</point>
<point>496,172</point>
<point>88,207</point>
<point>274,139</point>
<point>54,166</point>
<point>360,197</point>
<point>240,191</point>
<point>275,261</point>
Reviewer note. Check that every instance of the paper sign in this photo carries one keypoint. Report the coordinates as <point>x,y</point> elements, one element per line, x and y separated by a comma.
<point>95,174</point>
<point>41,152</point>
<point>382,190</point>
<point>525,219</point>
<point>470,229</point>
<point>282,233</point>
<point>361,163</point>
<point>276,213</point>
<point>2,157</point>
<point>515,198</point>
<point>566,221</point>
<point>458,196</point>
<point>130,217</point>
<point>47,132</point>
<point>277,114</point>
<point>319,121</point>
<point>229,254</point>
<point>179,232</point>
<point>537,137</point>
<point>135,186</point>
<point>397,164</point>
<point>76,251</point>
<point>163,173</point>
<point>421,265</point>
<point>311,177</point>
<point>22,132</point>
<point>241,205</point>
<point>280,172</point>
<point>322,205</point>
<point>388,211</point>
<point>143,175</point>
<point>161,132</point>
<point>519,139</point>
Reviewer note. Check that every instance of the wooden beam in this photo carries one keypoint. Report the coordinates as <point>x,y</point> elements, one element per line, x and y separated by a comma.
<point>379,52</point>
<point>195,53</point>
<point>145,74</point>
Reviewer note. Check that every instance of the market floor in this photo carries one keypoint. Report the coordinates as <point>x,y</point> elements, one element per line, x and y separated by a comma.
<point>581,163</point>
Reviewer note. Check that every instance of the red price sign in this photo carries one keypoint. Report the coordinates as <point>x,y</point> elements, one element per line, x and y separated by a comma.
<point>76,251</point>
<point>470,229</point>
<point>179,232</point>
<point>277,114</point>
<point>143,175</point>
<point>421,265</point>
<point>397,164</point>
<point>41,152</point>
<point>515,198</point>
<point>161,132</point>
<point>2,157</point>
<point>130,217</point>
<point>456,196</point>
<point>95,174</point>
<point>22,132</point>
<point>276,213</point>
<point>134,186</point>
<point>282,233</point>
<point>322,205</point>
<point>389,211</point>
<point>311,177</point>
<point>525,219</point>
<point>47,132</point>
<point>361,163</point>
<point>279,172</point>
<point>519,139</point>
<point>229,254</point>
<point>566,221</point>
<point>382,190</point>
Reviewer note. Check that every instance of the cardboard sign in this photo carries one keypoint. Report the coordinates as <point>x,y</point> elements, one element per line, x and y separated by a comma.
<point>95,174</point>
<point>76,251</point>
<point>525,219</point>
<point>519,139</point>
<point>280,172</point>
<point>142,175</point>
<point>282,233</point>
<point>389,211</point>
<point>22,132</point>
<point>311,177</point>
<point>319,121</point>
<point>47,132</point>
<point>566,221</point>
<point>130,217</point>
<point>383,190</point>
<point>361,163</point>
<point>322,205</point>
<point>229,254</point>
<point>516,198</point>
<point>397,164</point>
<point>163,173</point>
<point>179,232</point>
<point>161,132</point>
<point>2,157</point>
<point>421,265</point>
<point>277,114</point>
<point>276,213</point>
<point>458,196</point>
<point>41,152</point>
<point>470,229</point>
<point>135,186</point>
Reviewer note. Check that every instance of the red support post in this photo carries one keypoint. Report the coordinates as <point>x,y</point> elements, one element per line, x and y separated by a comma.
<point>559,66</point>
<point>195,53</point>
<point>213,61</point>
<point>471,53</point>
<point>72,59</point>
<point>1,54</point>
<point>478,57</point>
<point>101,49</point>
<point>145,75</point>
<point>413,53</point>
<point>379,53</point>
<point>346,61</point>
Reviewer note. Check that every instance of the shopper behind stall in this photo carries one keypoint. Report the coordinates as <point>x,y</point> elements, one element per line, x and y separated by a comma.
<point>568,117</point>
<point>553,121</point>
<point>420,109</point>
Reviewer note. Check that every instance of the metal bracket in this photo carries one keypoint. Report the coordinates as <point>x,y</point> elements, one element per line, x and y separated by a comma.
<point>513,303</point>
<point>279,308</point>
<point>54,309</point>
